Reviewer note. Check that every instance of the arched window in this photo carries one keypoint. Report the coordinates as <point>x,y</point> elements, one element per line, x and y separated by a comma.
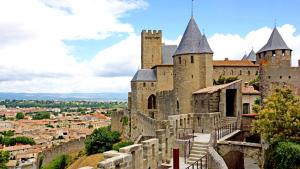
<point>152,102</point>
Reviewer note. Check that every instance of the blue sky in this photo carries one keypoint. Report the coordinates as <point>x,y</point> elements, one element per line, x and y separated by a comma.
<point>94,45</point>
<point>213,16</point>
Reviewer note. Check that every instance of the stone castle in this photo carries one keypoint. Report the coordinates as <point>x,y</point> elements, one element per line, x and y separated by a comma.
<point>174,94</point>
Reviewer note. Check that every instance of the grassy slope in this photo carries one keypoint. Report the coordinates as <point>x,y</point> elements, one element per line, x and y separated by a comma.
<point>84,161</point>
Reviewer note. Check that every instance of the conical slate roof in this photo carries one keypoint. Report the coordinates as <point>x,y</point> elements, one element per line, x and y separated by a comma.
<point>245,57</point>
<point>275,42</point>
<point>251,56</point>
<point>190,40</point>
<point>204,46</point>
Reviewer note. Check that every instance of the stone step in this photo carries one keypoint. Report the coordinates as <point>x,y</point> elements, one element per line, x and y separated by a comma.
<point>194,151</point>
<point>198,149</point>
<point>200,146</point>
<point>197,155</point>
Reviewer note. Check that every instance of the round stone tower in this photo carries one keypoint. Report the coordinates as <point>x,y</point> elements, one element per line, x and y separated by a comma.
<point>275,51</point>
<point>193,67</point>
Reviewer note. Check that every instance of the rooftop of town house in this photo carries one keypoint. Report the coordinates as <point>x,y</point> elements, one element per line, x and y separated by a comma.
<point>215,88</point>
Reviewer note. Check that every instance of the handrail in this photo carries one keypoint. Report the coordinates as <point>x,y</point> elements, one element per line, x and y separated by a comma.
<point>225,130</point>
<point>199,164</point>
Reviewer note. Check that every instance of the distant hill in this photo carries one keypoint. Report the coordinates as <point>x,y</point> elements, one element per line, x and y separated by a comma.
<point>65,96</point>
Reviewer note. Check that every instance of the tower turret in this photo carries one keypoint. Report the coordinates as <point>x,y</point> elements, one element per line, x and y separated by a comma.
<point>275,51</point>
<point>193,66</point>
<point>151,48</point>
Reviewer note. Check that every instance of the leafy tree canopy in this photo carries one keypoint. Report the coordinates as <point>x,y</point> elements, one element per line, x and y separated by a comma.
<point>19,116</point>
<point>279,117</point>
<point>101,140</point>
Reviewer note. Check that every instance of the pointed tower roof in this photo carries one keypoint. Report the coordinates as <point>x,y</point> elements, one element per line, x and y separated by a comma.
<point>204,46</point>
<point>251,56</point>
<point>245,57</point>
<point>190,40</point>
<point>275,42</point>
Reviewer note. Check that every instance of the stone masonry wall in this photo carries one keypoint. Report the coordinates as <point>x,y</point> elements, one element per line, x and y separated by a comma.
<point>244,73</point>
<point>137,156</point>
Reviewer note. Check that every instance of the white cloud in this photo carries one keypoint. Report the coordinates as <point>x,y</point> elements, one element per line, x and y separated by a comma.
<point>233,46</point>
<point>35,59</point>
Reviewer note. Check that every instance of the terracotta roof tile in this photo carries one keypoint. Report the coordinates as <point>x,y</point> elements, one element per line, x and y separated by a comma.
<point>235,63</point>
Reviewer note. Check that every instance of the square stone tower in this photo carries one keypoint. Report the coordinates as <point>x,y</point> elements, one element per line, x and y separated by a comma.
<point>151,52</point>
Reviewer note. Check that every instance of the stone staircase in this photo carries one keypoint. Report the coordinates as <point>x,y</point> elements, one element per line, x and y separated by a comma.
<point>199,149</point>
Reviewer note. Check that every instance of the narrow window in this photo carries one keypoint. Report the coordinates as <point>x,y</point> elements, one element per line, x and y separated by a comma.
<point>177,105</point>
<point>241,72</point>
<point>231,72</point>
<point>152,84</point>
<point>289,77</point>
<point>179,60</point>
<point>256,73</point>
<point>273,53</point>
<point>192,76</point>
<point>192,59</point>
<point>283,52</point>
<point>249,72</point>
<point>269,77</point>
<point>280,77</point>
<point>144,84</point>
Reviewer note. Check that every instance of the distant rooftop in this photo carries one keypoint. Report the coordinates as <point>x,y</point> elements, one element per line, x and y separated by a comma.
<point>235,63</point>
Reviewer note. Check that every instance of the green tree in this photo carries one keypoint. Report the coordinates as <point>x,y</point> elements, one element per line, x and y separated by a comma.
<point>101,140</point>
<point>60,162</point>
<point>121,144</point>
<point>279,117</point>
<point>41,115</point>
<point>19,116</point>
<point>4,158</point>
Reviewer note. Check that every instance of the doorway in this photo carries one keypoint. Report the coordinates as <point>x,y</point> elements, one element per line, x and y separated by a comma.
<point>230,102</point>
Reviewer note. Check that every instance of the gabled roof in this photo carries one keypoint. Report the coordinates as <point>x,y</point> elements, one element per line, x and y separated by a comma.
<point>144,75</point>
<point>275,42</point>
<point>251,56</point>
<point>204,46</point>
<point>190,40</point>
<point>167,53</point>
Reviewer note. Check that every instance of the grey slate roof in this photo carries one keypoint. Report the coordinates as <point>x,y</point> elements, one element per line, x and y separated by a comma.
<point>245,57</point>
<point>251,56</point>
<point>144,75</point>
<point>275,42</point>
<point>167,53</point>
<point>190,40</point>
<point>204,46</point>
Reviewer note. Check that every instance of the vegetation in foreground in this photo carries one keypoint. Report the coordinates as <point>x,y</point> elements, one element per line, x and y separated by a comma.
<point>279,124</point>
<point>4,158</point>
<point>101,140</point>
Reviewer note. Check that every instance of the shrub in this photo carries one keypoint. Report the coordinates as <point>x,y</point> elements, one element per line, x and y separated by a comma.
<point>283,155</point>
<point>60,162</point>
<point>101,140</point>
<point>224,80</point>
<point>121,144</point>
<point>19,116</point>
